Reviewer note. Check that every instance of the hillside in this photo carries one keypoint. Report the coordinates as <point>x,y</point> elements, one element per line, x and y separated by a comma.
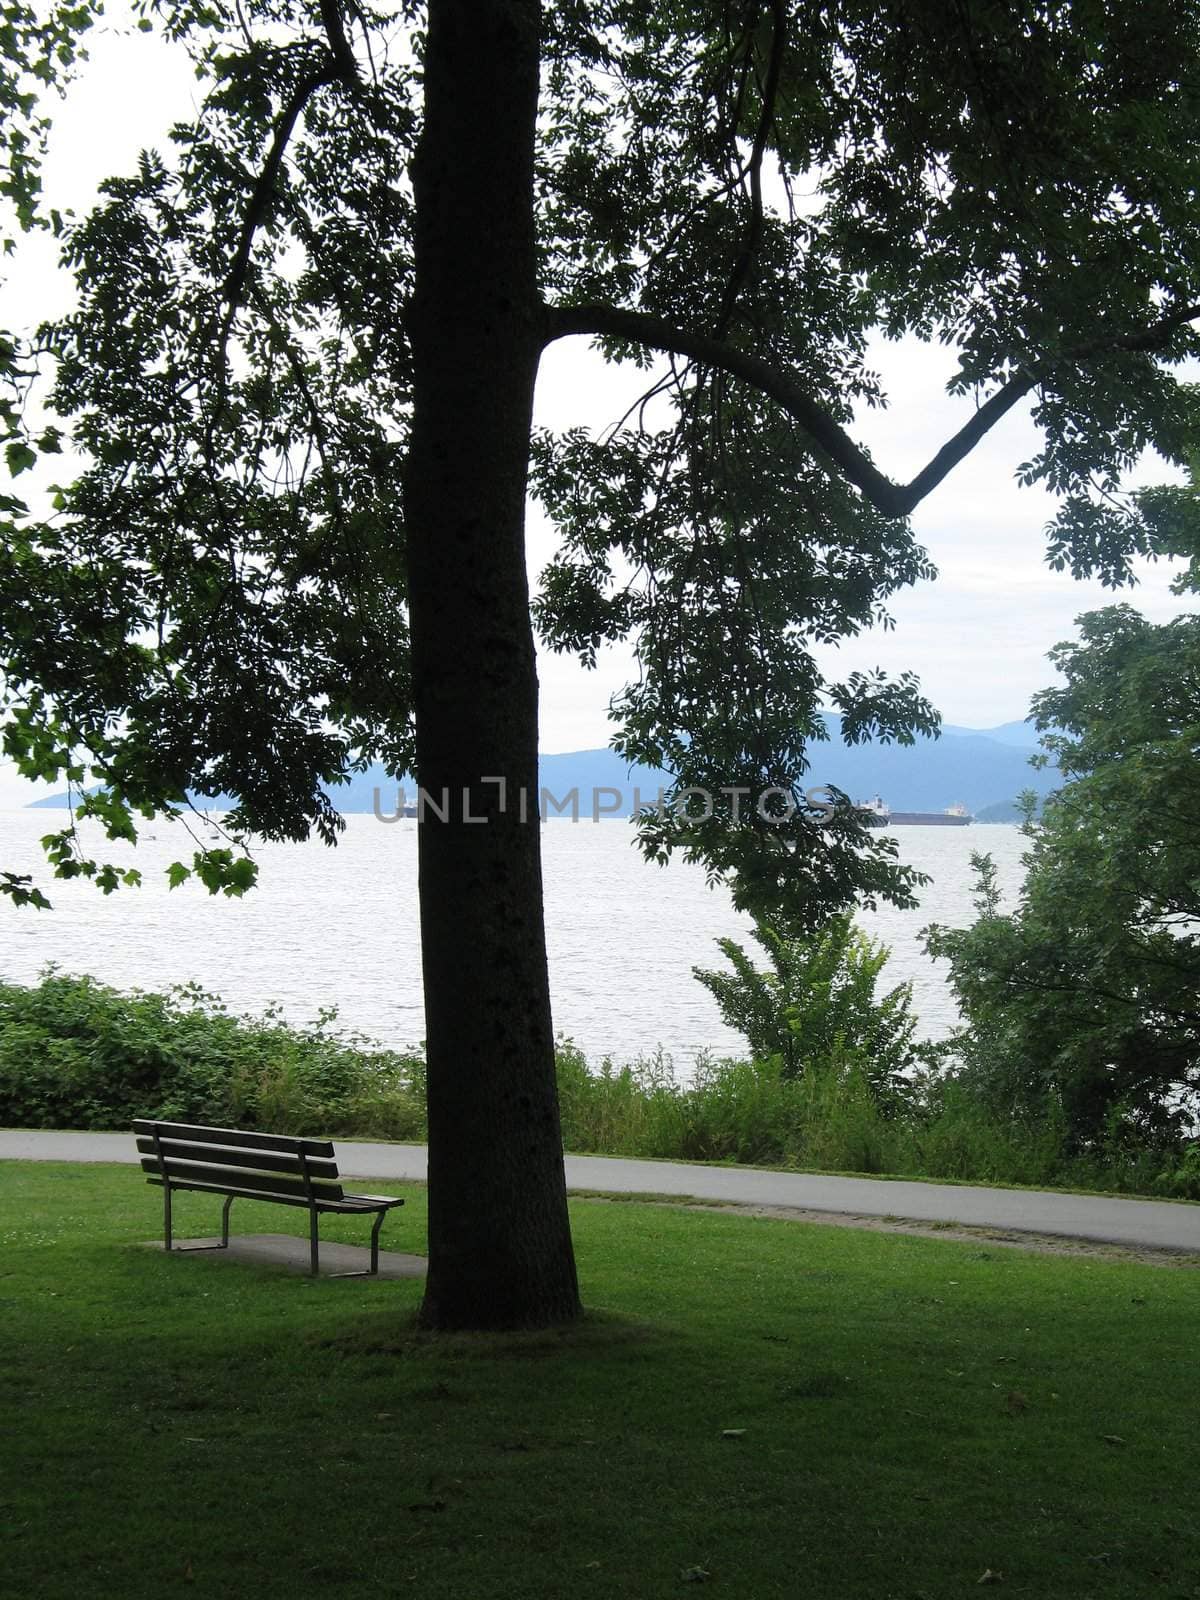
<point>981,768</point>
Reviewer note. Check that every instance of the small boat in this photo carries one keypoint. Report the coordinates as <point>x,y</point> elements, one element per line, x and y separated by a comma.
<point>876,813</point>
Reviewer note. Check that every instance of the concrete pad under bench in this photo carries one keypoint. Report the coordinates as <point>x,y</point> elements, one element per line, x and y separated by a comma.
<point>287,1251</point>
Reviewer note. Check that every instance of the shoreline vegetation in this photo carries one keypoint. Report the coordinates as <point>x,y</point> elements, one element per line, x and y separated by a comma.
<point>75,1053</point>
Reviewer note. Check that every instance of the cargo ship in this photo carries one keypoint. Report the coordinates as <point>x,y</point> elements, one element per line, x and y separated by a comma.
<point>877,814</point>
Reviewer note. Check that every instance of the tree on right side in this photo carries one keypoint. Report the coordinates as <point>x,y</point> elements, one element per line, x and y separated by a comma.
<point>1086,995</point>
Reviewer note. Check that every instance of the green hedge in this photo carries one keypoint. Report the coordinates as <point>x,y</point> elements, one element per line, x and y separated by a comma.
<point>76,1054</point>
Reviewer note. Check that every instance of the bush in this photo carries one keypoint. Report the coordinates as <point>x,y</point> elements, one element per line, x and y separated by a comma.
<point>76,1054</point>
<point>1182,1180</point>
<point>752,1112</point>
<point>815,1008</point>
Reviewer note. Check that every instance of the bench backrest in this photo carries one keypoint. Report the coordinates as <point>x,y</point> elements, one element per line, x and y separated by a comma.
<point>270,1164</point>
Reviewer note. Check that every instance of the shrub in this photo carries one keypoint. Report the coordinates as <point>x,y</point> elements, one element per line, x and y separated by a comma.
<point>816,1006</point>
<point>76,1054</point>
<point>1183,1178</point>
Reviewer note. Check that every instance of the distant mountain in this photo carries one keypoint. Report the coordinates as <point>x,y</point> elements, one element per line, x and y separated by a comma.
<point>603,781</point>
<point>1005,811</point>
<point>980,769</point>
<point>1021,734</point>
<point>53,802</point>
<point>964,766</point>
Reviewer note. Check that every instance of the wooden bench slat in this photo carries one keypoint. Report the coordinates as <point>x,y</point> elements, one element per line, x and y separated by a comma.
<point>234,1137</point>
<point>213,1175</point>
<point>348,1205</point>
<point>226,1156</point>
<point>180,1185</point>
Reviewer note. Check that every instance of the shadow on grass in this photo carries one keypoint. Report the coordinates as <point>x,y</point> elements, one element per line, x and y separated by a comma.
<point>782,1408</point>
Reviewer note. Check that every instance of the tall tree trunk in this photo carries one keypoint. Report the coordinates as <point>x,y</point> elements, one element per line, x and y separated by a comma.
<point>499,1241</point>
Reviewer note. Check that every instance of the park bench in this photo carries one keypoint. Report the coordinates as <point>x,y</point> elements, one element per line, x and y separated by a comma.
<point>253,1166</point>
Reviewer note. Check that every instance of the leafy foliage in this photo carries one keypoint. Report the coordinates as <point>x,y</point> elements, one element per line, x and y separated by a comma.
<point>76,1054</point>
<point>815,1008</point>
<point>1089,990</point>
<point>216,608</point>
<point>960,173</point>
<point>39,48</point>
<point>218,602</point>
<point>829,1119</point>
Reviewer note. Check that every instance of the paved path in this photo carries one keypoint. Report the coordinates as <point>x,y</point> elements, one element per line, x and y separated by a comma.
<point>1153,1224</point>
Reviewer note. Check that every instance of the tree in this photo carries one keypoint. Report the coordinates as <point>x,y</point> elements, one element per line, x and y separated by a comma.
<point>817,1004</point>
<point>1088,992</point>
<point>301,374</point>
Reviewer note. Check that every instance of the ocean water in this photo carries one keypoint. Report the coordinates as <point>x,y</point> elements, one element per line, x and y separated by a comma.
<point>338,928</point>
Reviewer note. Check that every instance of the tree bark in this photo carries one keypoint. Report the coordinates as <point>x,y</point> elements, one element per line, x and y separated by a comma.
<point>500,1251</point>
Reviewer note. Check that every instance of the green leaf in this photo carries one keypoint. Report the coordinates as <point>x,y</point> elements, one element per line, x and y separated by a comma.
<point>19,457</point>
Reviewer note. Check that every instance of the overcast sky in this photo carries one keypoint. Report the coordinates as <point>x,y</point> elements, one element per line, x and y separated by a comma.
<point>977,637</point>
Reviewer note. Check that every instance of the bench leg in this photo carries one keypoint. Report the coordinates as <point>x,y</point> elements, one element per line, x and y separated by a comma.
<point>373,1271</point>
<point>186,1249</point>
<point>314,1264</point>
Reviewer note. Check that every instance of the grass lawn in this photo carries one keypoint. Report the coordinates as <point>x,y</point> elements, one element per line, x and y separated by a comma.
<point>911,1415</point>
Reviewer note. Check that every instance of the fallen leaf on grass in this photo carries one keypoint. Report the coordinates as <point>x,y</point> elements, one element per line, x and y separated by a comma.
<point>992,1577</point>
<point>1112,1438</point>
<point>694,1575</point>
<point>733,1433</point>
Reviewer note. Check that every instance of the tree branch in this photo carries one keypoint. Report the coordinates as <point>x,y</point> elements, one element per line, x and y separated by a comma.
<point>770,91</point>
<point>233,292</point>
<point>827,434</point>
<point>1151,338</point>
<point>340,66</point>
<point>300,377</point>
<point>339,45</point>
<point>832,440</point>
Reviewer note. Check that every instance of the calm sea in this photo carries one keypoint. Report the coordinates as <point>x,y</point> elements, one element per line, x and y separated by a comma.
<point>339,928</point>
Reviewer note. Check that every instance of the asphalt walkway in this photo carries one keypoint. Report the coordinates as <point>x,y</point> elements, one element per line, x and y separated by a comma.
<point>1144,1224</point>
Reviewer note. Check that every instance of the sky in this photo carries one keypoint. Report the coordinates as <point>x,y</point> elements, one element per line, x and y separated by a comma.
<point>977,636</point>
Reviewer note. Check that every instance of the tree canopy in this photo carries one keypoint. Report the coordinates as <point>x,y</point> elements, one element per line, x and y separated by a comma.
<point>300,376</point>
<point>219,603</point>
<point>1088,991</point>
